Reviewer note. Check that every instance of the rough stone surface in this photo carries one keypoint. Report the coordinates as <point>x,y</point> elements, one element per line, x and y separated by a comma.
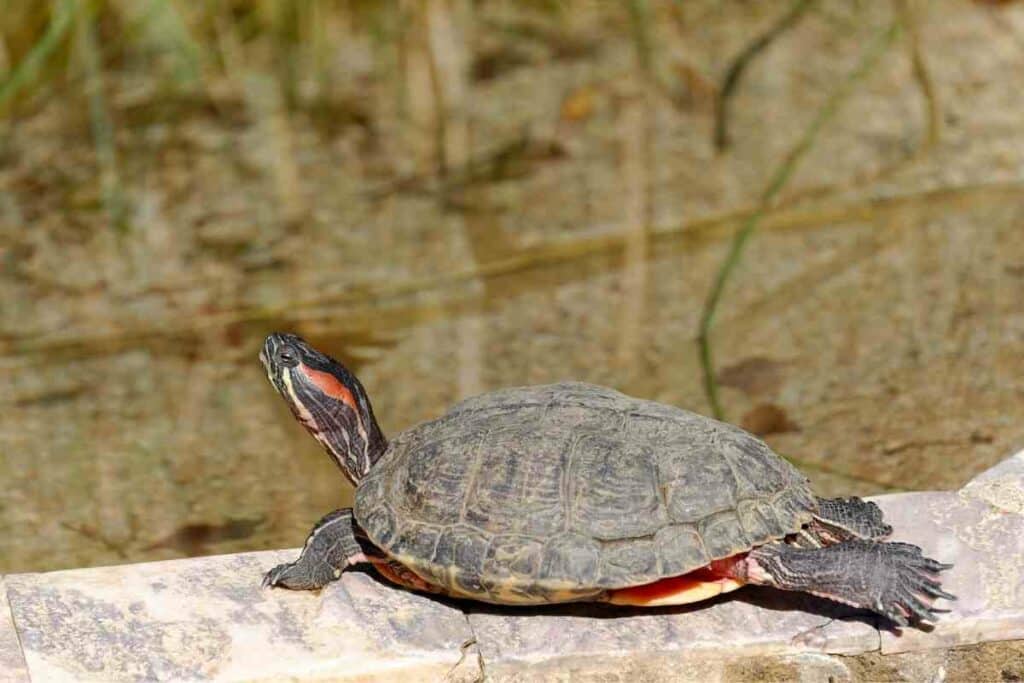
<point>983,662</point>
<point>981,530</point>
<point>208,619</point>
<point>12,662</point>
<point>755,621</point>
<point>1001,486</point>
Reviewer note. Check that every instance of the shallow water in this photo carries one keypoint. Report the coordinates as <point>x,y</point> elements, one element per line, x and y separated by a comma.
<point>873,332</point>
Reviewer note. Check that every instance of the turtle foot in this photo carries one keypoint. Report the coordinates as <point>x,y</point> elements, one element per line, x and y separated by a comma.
<point>846,518</point>
<point>296,577</point>
<point>330,548</point>
<point>895,580</point>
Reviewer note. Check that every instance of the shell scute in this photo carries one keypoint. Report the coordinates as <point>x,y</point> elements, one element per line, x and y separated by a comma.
<point>697,483</point>
<point>461,546</point>
<point>758,520</point>
<point>723,535</point>
<point>419,540</point>
<point>613,487</point>
<point>517,485</point>
<point>636,559</point>
<point>792,508</point>
<point>516,556</point>
<point>432,485</point>
<point>752,465</point>
<point>379,522</point>
<point>572,557</point>
<point>680,549</point>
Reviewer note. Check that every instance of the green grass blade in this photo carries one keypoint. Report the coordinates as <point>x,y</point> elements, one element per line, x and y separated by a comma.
<point>778,180</point>
<point>28,69</point>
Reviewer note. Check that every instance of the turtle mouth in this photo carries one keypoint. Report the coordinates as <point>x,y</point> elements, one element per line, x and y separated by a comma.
<point>266,354</point>
<point>267,351</point>
<point>276,372</point>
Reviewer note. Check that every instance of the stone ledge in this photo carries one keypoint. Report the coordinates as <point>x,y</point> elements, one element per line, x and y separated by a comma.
<point>12,661</point>
<point>208,619</point>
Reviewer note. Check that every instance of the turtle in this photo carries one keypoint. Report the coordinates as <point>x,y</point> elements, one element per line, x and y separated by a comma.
<point>573,492</point>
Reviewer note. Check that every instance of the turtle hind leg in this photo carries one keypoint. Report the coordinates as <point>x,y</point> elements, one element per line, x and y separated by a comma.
<point>335,543</point>
<point>841,519</point>
<point>895,580</point>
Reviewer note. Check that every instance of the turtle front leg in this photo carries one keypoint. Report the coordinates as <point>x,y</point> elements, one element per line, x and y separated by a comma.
<point>895,580</point>
<point>335,543</point>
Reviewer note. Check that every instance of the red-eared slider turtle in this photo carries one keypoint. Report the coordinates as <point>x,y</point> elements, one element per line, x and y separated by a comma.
<point>574,492</point>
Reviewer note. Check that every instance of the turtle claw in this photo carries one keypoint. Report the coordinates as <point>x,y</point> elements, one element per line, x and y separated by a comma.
<point>899,615</point>
<point>928,564</point>
<point>914,586</point>
<point>300,576</point>
<point>330,547</point>
<point>936,592</point>
<point>275,577</point>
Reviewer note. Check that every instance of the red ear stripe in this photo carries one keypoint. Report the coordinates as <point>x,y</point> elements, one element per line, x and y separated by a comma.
<point>330,385</point>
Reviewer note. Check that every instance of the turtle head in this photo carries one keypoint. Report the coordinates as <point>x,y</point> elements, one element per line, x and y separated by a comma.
<point>327,399</point>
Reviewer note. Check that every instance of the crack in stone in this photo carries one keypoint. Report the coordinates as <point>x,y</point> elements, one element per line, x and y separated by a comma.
<point>876,625</point>
<point>471,643</point>
<point>17,631</point>
<point>815,637</point>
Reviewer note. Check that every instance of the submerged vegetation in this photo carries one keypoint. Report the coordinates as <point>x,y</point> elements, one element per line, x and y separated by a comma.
<point>206,50</point>
<point>799,215</point>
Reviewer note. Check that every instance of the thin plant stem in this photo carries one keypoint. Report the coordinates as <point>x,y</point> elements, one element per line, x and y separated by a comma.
<point>639,21</point>
<point>778,180</point>
<point>28,69</point>
<point>922,75</point>
<point>742,61</point>
<point>101,123</point>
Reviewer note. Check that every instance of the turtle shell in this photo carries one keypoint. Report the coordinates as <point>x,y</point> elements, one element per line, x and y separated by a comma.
<point>561,492</point>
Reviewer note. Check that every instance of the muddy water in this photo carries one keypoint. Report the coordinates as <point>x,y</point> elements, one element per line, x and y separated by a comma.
<point>874,332</point>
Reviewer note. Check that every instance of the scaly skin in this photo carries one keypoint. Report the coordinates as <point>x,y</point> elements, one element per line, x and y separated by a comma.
<point>895,580</point>
<point>335,544</point>
<point>859,518</point>
<point>331,547</point>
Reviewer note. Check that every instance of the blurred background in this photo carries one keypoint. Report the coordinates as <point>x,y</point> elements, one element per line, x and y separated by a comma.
<point>805,216</point>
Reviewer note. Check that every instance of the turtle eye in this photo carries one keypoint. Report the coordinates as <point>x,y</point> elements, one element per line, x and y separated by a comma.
<point>287,356</point>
